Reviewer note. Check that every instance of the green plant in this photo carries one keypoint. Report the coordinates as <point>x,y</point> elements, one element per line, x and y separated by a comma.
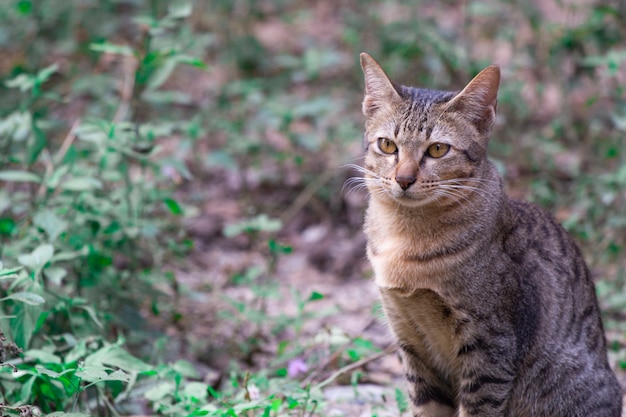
<point>87,222</point>
<point>107,108</point>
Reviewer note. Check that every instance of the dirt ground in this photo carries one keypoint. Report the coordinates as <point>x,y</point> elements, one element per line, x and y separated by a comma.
<point>327,258</point>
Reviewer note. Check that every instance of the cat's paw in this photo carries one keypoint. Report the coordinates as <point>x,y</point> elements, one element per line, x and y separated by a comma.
<point>434,409</point>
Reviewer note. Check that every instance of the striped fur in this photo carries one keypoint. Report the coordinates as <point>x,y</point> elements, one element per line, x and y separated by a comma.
<point>490,300</point>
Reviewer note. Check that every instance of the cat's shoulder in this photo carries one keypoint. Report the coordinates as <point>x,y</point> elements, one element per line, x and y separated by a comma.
<point>530,227</point>
<point>525,213</point>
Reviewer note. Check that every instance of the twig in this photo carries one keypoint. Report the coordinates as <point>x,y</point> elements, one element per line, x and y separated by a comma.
<point>306,381</point>
<point>335,355</point>
<point>51,161</point>
<point>306,194</point>
<point>129,66</point>
<point>355,365</point>
<point>47,160</point>
<point>246,379</point>
<point>67,142</point>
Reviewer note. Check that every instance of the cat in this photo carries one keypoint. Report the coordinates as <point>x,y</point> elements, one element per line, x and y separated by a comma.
<point>490,301</point>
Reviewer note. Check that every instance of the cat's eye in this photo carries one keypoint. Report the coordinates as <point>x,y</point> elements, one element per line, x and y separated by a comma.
<point>437,150</point>
<point>387,146</point>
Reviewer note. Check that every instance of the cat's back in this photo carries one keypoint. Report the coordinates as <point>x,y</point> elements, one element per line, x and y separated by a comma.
<point>569,354</point>
<point>543,255</point>
<point>542,251</point>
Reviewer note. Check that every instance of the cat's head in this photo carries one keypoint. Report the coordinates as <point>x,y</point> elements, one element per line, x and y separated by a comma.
<point>424,146</point>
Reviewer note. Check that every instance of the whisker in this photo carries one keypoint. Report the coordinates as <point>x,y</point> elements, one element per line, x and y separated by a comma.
<point>357,184</point>
<point>480,191</point>
<point>453,195</point>
<point>469,179</point>
<point>361,169</point>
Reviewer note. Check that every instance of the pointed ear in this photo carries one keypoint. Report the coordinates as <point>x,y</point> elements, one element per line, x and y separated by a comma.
<point>379,89</point>
<point>479,99</point>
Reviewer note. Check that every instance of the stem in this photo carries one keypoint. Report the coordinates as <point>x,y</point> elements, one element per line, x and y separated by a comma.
<point>355,365</point>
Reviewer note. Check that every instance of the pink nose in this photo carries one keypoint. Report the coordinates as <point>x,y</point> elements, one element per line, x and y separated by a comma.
<point>405,182</point>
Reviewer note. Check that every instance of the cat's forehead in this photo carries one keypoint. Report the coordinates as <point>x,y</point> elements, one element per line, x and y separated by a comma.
<point>426,97</point>
<point>422,108</point>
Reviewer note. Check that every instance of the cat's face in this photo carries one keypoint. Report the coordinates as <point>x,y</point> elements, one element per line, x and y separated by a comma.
<point>426,147</point>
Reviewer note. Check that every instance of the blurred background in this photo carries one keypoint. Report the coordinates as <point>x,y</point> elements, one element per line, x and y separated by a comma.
<point>175,233</point>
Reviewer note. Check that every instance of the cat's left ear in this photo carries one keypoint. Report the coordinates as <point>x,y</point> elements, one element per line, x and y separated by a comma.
<point>479,99</point>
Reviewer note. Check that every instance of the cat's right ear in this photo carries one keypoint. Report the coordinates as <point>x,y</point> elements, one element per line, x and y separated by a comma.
<point>379,89</point>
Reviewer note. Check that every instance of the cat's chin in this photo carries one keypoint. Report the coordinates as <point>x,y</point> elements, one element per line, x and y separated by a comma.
<point>409,201</point>
<point>412,202</point>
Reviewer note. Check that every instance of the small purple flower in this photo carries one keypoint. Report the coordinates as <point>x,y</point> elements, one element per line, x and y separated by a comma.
<point>296,366</point>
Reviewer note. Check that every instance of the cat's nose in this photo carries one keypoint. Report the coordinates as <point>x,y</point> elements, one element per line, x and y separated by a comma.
<point>405,182</point>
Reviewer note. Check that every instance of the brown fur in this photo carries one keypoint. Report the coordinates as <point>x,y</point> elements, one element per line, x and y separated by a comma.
<point>489,298</point>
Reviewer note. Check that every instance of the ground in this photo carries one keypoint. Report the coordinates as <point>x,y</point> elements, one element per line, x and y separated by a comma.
<point>326,258</point>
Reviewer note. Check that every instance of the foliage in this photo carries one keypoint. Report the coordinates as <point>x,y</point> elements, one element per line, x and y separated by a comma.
<point>114,113</point>
<point>88,221</point>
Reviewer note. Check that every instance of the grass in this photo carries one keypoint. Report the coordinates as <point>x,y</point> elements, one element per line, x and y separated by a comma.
<point>122,122</point>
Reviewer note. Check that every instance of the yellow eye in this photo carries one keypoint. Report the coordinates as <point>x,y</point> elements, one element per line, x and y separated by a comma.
<point>387,146</point>
<point>437,150</point>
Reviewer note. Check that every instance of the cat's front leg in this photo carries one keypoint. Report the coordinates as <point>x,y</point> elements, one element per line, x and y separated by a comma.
<point>433,409</point>
<point>486,380</point>
<point>428,394</point>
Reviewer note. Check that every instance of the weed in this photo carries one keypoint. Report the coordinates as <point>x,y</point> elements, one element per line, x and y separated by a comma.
<point>115,114</point>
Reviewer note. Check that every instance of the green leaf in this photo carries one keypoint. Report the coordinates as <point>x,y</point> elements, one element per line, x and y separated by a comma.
<point>55,274</point>
<point>92,315</point>
<point>27,390</point>
<point>37,145</point>
<point>19,176</point>
<point>81,184</point>
<point>25,297</point>
<point>185,368</point>
<point>276,404</point>
<point>111,48</point>
<point>119,375</point>
<point>115,356</point>
<point>52,180</point>
<point>315,296</point>
<point>159,391</point>
<point>17,125</point>
<point>50,223</point>
<point>92,373</point>
<point>38,258</point>
<point>42,356</point>
<point>68,256</point>
<point>27,82</point>
<point>401,400</point>
<point>64,414</point>
<point>43,75</point>
<point>260,223</point>
<point>24,7</point>
<point>9,273</point>
<point>179,10</point>
<point>173,206</point>
<point>23,324</point>
<point>163,72</point>
<point>197,391</point>
<point>7,225</point>
<point>78,352</point>
<point>45,371</point>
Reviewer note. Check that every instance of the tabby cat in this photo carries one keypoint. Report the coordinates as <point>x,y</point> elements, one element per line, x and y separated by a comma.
<point>490,300</point>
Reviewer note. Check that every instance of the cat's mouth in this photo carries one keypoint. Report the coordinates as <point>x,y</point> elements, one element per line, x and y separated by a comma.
<point>410,197</point>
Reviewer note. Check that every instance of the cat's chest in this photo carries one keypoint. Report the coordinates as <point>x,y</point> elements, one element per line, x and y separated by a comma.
<point>409,263</point>
<point>411,251</point>
<point>428,324</point>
